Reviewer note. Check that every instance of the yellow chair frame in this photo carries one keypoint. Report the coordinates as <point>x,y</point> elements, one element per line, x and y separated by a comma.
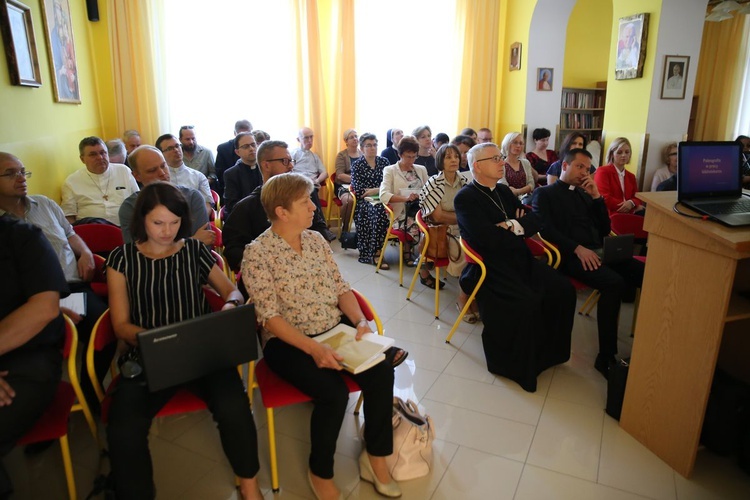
<point>423,257</point>
<point>477,260</point>
<point>389,236</point>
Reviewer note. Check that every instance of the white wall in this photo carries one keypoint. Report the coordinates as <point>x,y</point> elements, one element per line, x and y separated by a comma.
<point>680,33</point>
<point>547,35</point>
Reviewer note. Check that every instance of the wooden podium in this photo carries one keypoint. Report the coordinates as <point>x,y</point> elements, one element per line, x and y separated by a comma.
<point>689,308</point>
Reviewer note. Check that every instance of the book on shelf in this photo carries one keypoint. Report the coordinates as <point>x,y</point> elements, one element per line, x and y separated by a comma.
<point>359,355</point>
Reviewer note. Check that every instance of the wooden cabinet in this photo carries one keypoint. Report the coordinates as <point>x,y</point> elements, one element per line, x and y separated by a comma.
<point>582,110</point>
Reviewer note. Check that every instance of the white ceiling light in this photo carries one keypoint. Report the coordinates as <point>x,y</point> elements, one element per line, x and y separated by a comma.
<point>716,16</point>
<point>727,6</point>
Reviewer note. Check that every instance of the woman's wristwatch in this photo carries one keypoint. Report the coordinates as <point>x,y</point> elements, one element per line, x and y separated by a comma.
<point>236,302</point>
<point>363,320</point>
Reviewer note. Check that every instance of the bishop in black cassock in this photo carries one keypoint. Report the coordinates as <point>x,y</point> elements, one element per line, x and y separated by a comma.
<point>526,306</point>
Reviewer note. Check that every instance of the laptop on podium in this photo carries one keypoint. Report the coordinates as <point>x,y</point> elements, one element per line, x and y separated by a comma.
<point>184,351</point>
<point>709,181</point>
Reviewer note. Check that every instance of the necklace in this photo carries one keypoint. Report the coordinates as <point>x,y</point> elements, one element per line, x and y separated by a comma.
<point>500,206</point>
<point>99,186</point>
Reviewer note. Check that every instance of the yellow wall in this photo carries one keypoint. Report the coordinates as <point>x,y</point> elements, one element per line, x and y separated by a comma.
<point>626,113</point>
<point>45,134</point>
<point>587,44</point>
<point>512,94</point>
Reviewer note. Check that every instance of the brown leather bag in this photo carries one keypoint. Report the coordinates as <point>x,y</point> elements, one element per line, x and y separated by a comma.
<point>437,246</point>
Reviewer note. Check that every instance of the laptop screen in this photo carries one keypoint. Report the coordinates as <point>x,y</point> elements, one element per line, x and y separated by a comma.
<point>708,169</point>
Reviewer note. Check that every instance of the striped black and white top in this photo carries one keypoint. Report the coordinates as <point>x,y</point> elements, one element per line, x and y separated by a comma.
<point>168,290</point>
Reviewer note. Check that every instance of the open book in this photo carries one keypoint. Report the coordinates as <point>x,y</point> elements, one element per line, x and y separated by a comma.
<point>76,302</point>
<point>358,355</point>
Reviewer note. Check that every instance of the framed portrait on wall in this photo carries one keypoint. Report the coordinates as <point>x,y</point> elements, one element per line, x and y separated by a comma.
<point>61,50</point>
<point>20,44</point>
<point>544,79</point>
<point>632,35</point>
<point>515,56</point>
<point>674,79</point>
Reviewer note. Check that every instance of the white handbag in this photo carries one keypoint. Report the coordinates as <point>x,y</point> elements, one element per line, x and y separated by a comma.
<point>412,442</point>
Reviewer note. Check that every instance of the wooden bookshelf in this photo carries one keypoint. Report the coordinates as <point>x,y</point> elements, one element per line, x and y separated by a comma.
<point>582,110</point>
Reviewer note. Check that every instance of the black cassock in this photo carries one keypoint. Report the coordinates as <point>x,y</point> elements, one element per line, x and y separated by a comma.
<point>526,306</point>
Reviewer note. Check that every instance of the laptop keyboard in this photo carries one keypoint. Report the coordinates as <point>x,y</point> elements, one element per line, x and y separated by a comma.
<point>731,207</point>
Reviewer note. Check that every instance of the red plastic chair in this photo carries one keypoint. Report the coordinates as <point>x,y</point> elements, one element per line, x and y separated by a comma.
<point>276,392</point>
<point>100,238</point>
<point>429,258</point>
<point>628,224</point>
<point>68,398</point>
<point>539,250</point>
<point>102,335</point>
<point>592,299</point>
<point>99,282</point>
<point>219,242</point>
<point>472,257</point>
<point>394,235</point>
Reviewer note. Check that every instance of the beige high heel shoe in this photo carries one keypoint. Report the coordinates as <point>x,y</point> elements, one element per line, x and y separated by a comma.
<point>390,490</point>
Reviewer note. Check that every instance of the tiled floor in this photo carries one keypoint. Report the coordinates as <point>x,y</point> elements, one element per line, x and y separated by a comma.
<point>494,441</point>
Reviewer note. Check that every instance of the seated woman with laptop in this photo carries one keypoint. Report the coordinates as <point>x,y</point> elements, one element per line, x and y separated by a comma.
<point>155,281</point>
<point>299,293</point>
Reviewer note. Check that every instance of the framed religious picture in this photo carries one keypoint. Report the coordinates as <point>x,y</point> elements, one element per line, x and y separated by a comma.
<point>544,78</point>
<point>674,81</point>
<point>515,56</point>
<point>631,46</point>
<point>20,44</point>
<point>61,50</point>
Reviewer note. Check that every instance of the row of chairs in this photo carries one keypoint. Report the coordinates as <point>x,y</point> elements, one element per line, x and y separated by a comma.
<point>275,392</point>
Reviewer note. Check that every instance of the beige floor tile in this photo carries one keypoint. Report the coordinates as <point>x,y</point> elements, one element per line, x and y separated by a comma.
<point>469,362</point>
<point>494,435</point>
<point>588,389</point>
<point>714,478</point>
<point>541,484</point>
<point>429,335</point>
<point>176,469</point>
<point>568,439</point>
<point>486,398</point>
<point>413,383</point>
<point>627,465</point>
<point>474,474</point>
<point>430,358</point>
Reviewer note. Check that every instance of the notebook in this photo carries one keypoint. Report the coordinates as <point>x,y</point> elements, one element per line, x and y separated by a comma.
<point>710,182</point>
<point>617,248</point>
<point>188,350</point>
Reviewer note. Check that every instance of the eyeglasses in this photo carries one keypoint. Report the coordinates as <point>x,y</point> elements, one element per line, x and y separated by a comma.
<point>94,154</point>
<point>371,145</point>
<point>496,159</point>
<point>284,161</point>
<point>245,147</point>
<point>16,173</point>
<point>672,154</point>
<point>172,148</point>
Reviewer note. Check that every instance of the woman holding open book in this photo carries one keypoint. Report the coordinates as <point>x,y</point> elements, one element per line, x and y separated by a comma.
<point>299,293</point>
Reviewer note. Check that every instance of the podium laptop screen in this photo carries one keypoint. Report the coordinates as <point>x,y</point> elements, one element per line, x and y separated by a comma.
<point>709,181</point>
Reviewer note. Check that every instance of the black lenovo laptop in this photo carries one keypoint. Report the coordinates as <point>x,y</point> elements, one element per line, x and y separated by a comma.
<point>710,182</point>
<point>188,350</point>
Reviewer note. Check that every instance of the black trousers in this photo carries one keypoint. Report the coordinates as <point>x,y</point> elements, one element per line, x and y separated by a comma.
<point>95,307</point>
<point>134,407</point>
<point>612,281</point>
<point>34,377</point>
<point>330,396</point>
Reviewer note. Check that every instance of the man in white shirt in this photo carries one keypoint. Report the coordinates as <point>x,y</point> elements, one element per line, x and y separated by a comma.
<point>98,190</point>
<point>179,173</point>
<point>310,165</point>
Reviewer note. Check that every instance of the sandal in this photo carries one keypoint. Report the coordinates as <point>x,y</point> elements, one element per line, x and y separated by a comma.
<point>469,317</point>
<point>395,356</point>
<point>429,282</point>
<point>383,265</point>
